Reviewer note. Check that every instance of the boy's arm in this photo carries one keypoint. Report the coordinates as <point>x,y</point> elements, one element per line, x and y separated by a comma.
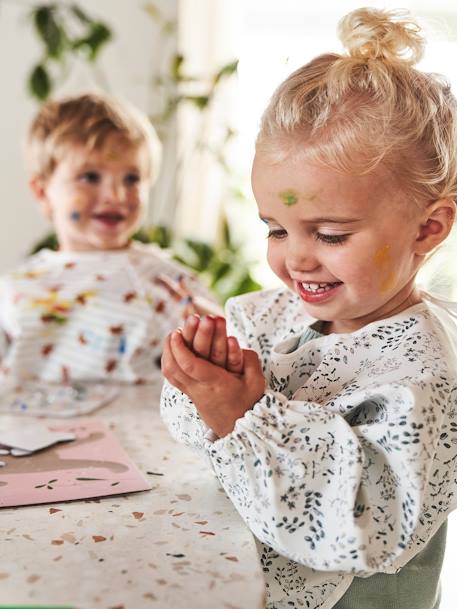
<point>187,291</point>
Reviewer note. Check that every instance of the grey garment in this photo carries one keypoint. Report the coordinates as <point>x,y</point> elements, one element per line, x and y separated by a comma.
<point>415,586</point>
<point>314,331</point>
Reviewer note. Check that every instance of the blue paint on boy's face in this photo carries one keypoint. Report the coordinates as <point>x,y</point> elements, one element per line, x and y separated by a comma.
<point>75,216</point>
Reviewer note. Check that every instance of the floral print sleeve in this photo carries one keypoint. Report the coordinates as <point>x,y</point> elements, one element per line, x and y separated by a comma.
<point>347,465</point>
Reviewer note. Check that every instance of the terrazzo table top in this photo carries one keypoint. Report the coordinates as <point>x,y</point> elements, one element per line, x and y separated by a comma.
<point>180,545</point>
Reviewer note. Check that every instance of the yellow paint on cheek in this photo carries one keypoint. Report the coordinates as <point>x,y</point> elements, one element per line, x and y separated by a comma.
<point>381,260</point>
<point>388,282</point>
<point>382,256</point>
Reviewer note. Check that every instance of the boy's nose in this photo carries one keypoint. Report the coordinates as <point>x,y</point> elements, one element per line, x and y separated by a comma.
<point>113,192</point>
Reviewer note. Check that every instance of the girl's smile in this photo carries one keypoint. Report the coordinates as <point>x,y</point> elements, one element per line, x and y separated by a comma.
<point>347,246</point>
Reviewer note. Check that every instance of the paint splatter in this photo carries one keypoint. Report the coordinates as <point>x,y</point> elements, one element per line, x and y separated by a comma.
<point>110,365</point>
<point>112,155</point>
<point>129,296</point>
<point>382,256</point>
<point>288,197</point>
<point>388,283</point>
<point>381,259</point>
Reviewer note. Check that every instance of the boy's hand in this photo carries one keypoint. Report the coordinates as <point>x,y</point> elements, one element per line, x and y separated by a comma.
<point>221,397</point>
<point>208,339</point>
<point>192,304</point>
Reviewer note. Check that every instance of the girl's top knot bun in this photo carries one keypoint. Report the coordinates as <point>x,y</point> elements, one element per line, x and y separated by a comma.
<point>369,33</point>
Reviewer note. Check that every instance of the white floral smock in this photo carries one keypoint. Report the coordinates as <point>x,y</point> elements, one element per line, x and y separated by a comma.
<point>347,465</point>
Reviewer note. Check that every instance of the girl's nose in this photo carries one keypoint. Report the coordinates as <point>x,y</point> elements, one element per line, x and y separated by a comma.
<point>300,259</point>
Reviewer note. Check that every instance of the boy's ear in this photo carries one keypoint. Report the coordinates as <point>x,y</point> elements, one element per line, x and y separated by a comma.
<point>38,185</point>
<point>435,226</point>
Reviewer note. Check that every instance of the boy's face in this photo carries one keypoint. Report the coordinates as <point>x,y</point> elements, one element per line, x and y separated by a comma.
<point>347,245</point>
<point>96,199</point>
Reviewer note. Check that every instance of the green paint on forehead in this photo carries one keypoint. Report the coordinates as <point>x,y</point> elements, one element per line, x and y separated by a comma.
<point>288,197</point>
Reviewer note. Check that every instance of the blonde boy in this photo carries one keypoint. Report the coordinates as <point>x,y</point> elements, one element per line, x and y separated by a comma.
<point>100,306</point>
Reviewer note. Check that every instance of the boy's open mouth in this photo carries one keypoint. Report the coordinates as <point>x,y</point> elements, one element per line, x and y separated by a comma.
<point>109,218</point>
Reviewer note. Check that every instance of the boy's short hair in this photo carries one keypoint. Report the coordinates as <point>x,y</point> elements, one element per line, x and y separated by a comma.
<point>87,120</point>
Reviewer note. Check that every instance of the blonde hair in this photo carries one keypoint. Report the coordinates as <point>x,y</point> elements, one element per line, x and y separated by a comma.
<point>87,120</point>
<point>369,106</point>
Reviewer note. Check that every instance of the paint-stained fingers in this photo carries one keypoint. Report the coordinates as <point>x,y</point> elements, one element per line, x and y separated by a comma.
<point>189,330</point>
<point>180,293</point>
<point>203,338</point>
<point>173,287</point>
<point>218,354</point>
<point>235,359</point>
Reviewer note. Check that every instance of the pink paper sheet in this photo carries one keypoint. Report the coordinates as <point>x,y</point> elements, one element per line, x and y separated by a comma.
<point>93,465</point>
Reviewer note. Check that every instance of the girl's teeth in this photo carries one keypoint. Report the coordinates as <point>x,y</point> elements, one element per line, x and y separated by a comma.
<point>317,287</point>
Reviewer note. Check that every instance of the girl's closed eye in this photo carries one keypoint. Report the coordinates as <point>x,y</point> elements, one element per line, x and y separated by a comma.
<point>276,233</point>
<point>331,239</point>
<point>90,177</point>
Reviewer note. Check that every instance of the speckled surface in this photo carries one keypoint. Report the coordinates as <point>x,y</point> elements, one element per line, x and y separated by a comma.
<point>182,544</point>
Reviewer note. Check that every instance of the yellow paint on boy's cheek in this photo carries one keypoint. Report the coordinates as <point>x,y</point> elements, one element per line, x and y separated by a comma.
<point>382,260</point>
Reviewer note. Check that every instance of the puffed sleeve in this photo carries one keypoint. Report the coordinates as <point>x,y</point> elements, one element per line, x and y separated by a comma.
<point>181,418</point>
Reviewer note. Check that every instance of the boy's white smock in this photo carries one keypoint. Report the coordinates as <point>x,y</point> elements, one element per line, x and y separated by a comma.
<point>347,465</point>
<point>89,316</point>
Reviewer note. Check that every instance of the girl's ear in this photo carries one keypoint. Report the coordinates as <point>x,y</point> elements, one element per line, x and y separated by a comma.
<point>435,226</point>
<point>38,186</point>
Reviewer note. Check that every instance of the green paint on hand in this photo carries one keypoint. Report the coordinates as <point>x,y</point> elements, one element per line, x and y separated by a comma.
<point>289,197</point>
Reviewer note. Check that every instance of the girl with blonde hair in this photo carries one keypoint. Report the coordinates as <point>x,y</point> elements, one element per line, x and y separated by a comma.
<point>332,427</point>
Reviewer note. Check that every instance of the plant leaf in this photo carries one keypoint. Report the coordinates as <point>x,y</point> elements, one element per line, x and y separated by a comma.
<point>226,71</point>
<point>97,37</point>
<point>39,83</point>
<point>201,101</point>
<point>176,67</point>
<point>50,31</point>
<point>80,14</point>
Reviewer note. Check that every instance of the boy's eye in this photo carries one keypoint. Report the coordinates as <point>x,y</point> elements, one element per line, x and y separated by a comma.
<point>131,178</point>
<point>91,177</point>
<point>331,239</point>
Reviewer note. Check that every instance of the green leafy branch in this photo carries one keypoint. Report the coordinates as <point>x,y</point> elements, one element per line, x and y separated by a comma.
<point>65,31</point>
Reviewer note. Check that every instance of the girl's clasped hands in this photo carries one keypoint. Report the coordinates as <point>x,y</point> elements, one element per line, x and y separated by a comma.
<point>222,379</point>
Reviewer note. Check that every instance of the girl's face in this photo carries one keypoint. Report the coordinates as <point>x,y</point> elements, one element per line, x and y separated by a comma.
<point>95,199</point>
<point>345,244</point>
